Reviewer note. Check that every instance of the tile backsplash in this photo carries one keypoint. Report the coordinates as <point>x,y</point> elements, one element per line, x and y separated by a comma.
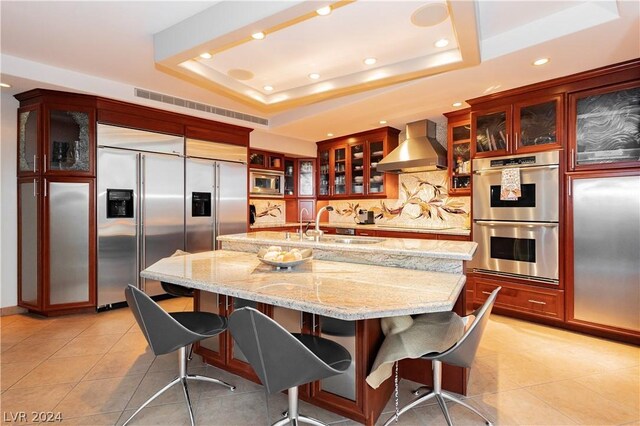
<point>269,212</point>
<point>423,202</point>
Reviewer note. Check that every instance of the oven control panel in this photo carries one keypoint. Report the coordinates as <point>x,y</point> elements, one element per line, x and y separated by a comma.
<point>518,161</point>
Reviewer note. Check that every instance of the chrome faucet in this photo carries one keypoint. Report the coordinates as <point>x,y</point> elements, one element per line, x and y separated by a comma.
<point>304,209</point>
<point>317,233</point>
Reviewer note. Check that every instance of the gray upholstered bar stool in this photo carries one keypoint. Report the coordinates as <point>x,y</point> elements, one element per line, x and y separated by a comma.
<point>283,360</point>
<point>167,332</point>
<point>461,354</point>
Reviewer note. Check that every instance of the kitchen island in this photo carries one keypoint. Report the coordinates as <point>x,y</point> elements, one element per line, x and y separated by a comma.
<point>339,300</point>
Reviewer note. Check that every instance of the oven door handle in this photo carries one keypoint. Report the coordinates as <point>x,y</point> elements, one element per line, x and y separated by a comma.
<point>518,224</point>
<point>522,169</point>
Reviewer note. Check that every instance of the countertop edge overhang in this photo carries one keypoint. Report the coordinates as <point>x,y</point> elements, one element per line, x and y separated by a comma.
<point>437,249</point>
<point>433,291</point>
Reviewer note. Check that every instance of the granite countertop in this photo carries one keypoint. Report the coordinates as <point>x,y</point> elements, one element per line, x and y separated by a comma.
<point>447,231</point>
<point>340,290</point>
<point>438,249</point>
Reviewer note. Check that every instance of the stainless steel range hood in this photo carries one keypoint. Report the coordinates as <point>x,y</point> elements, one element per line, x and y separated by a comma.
<point>420,152</point>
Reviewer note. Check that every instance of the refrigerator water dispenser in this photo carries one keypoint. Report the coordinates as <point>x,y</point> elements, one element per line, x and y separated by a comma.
<point>201,204</point>
<point>119,203</point>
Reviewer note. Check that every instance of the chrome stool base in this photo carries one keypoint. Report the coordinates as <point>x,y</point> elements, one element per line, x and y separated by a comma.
<point>182,379</point>
<point>440,396</point>
<point>291,416</point>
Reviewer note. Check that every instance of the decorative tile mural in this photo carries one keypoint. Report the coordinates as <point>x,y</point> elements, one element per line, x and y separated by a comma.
<point>423,203</point>
<point>269,212</point>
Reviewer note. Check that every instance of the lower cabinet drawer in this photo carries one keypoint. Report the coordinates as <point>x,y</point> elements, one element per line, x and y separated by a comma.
<point>543,302</point>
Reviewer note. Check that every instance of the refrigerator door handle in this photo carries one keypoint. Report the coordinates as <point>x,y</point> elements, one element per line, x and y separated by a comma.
<point>138,228</point>
<point>142,260</point>
<point>216,225</point>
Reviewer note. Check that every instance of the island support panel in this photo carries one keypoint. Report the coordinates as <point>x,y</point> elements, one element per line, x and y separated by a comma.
<point>369,402</point>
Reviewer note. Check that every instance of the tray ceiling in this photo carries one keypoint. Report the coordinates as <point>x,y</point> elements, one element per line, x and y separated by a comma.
<point>277,72</point>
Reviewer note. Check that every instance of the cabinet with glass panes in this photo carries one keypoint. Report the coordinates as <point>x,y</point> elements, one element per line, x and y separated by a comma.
<point>348,165</point>
<point>459,151</point>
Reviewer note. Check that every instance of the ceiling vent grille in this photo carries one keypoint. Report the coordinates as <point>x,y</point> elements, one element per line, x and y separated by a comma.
<point>172,100</point>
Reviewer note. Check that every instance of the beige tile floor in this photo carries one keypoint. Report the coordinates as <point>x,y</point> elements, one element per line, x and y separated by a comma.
<point>96,369</point>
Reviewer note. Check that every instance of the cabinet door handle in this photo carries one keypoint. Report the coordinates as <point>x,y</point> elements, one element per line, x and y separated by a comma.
<point>537,302</point>
<point>35,163</point>
<point>516,136</point>
<point>364,234</point>
<point>573,158</point>
<point>507,141</point>
<point>45,187</point>
<point>487,293</point>
<point>45,163</point>
<point>35,188</point>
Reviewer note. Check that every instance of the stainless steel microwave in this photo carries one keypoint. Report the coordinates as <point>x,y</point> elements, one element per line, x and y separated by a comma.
<point>266,183</point>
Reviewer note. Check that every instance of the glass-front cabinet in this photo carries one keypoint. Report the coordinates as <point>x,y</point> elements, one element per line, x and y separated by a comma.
<point>306,173</point>
<point>289,178</point>
<point>490,131</point>
<point>604,127</point>
<point>69,141</point>
<point>376,178</point>
<point>28,140</point>
<point>324,175</point>
<point>538,124</point>
<point>56,197</point>
<point>348,166</point>
<point>528,126</point>
<point>459,152</point>
<point>357,166</point>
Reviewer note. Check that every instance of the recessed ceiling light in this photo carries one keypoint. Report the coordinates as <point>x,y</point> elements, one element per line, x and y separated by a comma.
<point>370,61</point>
<point>457,104</point>
<point>268,88</point>
<point>329,134</point>
<point>324,11</point>
<point>205,55</point>
<point>314,76</point>
<point>383,121</point>
<point>443,42</point>
<point>5,85</point>
<point>540,61</point>
<point>258,36</point>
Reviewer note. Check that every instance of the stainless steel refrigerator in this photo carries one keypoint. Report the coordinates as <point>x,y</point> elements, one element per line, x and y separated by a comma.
<point>215,193</point>
<point>140,207</point>
<point>606,245</point>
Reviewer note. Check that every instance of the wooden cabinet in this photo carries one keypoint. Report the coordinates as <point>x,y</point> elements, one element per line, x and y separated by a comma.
<point>306,187</point>
<point>290,181</point>
<point>56,202</point>
<point>528,124</point>
<point>403,234</point>
<point>459,152</point>
<point>604,129</point>
<point>521,298</point>
<point>266,160</point>
<point>347,166</point>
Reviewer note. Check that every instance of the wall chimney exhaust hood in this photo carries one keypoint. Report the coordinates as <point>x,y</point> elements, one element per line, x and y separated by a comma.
<point>420,152</point>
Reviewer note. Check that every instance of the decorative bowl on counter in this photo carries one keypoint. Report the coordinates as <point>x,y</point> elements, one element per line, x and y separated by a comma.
<point>282,259</point>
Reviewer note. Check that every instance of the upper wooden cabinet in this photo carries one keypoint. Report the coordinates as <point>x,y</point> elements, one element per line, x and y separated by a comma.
<point>347,165</point>
<point>528,125</point>
<point>56,134</point>
<point>459,151</point>
<point>604,127</point>
<point>266,160</point>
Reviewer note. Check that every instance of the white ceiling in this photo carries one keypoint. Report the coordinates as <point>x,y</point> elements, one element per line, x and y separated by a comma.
<point>114,41</point>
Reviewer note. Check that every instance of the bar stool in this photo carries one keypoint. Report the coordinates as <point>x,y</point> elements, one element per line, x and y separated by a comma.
<point>461,354</point>
<point>179,291</point>
<point>283,360</point>
<point>167,332</point>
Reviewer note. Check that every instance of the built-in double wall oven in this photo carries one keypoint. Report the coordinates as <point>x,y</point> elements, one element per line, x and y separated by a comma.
<point>517,237</point>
